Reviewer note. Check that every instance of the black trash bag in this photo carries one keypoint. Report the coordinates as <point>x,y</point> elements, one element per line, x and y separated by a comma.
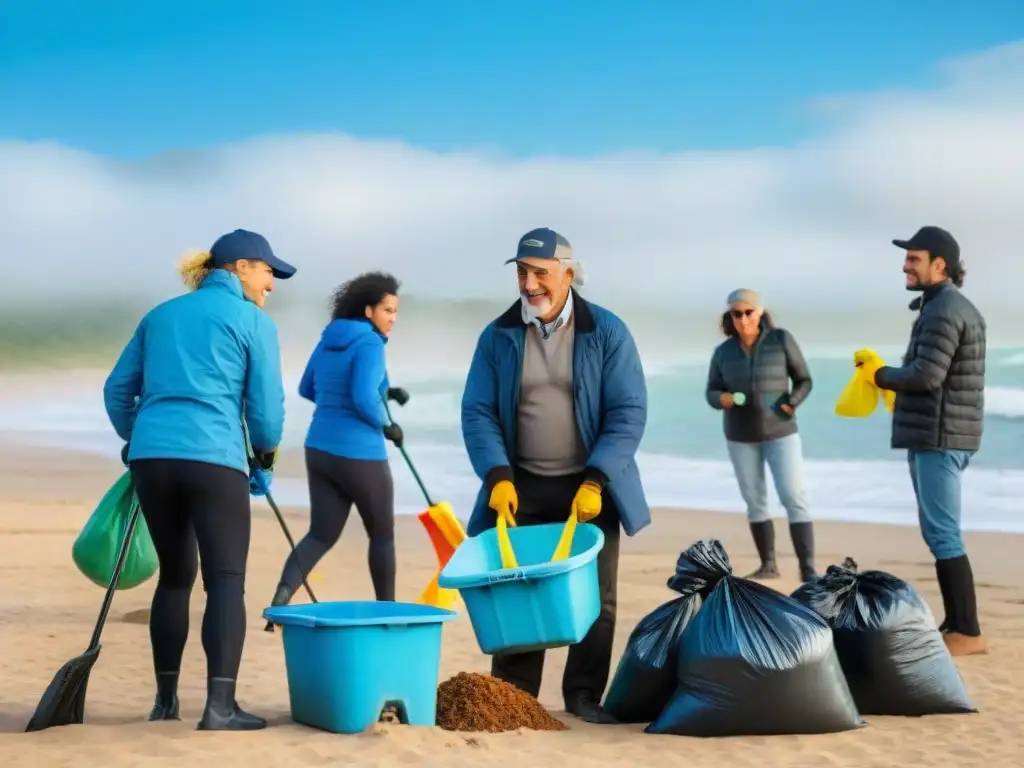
<point>752,661</point>
<point>893,655</point>
<point>646,676</point>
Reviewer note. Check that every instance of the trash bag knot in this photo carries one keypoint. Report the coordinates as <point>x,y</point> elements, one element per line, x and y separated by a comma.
<point>700,568</point>
<point>848,566</point>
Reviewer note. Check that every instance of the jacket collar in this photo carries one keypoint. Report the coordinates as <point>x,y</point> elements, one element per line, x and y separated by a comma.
<point>929,293</point>
<point>583,315</point>
<point>223,280</point>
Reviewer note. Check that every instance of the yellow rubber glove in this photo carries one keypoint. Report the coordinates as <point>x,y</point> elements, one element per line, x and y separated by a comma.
<point>867,361</point>
<point>504,501</point>
<point>586,505</point>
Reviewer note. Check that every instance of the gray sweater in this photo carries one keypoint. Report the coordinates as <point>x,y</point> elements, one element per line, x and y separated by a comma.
<point>548,441</point>
<point>774,373</point>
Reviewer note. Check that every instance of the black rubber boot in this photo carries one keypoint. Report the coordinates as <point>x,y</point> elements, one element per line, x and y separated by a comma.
<point>963,633</point>
<point>166,706</point>
<point>802,535</point>
<point>942,574</point>
<point>282,596</point>
<point>589,711</point>
<point>958,595</point>
<point>764,540</point>
<point>222,712</point>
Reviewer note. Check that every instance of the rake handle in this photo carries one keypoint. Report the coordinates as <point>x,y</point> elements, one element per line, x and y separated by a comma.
<point>115,576</point>
<point>408,462</point>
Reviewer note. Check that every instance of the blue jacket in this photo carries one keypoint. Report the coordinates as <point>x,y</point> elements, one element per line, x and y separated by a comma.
<point>194,363</point>
<point>610,396</point>
<point>347,379</point>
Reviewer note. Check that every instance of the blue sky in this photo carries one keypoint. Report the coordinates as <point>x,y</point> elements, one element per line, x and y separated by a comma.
<point>526,78</point>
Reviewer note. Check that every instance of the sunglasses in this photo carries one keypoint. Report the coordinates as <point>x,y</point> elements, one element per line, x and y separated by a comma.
<point>738,313</point>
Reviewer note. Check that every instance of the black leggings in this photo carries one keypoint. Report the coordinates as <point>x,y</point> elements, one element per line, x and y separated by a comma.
<point>198,515</point>
<point>335,483</point>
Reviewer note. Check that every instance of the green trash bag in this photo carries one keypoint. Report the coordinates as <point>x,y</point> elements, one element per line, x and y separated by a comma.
<point>97,546</point>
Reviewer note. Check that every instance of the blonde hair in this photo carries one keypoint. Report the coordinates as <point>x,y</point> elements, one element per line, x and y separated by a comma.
<point>194,267</point>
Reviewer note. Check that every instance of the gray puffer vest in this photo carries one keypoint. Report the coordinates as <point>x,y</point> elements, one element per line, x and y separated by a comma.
<point>773,374</point>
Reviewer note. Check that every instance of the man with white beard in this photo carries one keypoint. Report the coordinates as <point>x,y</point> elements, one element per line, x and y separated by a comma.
<point>553,412</point>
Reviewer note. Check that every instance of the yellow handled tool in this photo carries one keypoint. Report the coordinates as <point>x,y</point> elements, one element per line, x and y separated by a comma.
<point>508,557</point>
<point>565,540</point>
<point>437,596</point>
<point>562,549</point>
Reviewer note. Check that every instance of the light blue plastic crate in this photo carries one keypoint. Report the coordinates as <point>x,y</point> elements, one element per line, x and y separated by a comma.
<point>538,605</point>
<point>347,661</point>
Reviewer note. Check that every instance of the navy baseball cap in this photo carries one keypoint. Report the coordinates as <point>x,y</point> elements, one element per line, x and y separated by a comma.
<point>243,244</point>
<point>937,241</point>
<point>542,243</point>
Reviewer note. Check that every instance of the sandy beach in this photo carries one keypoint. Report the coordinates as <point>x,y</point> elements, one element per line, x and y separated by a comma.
<point>48,610</point>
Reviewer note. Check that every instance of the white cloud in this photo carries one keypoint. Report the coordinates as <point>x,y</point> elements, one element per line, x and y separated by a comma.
<point>811,223</point>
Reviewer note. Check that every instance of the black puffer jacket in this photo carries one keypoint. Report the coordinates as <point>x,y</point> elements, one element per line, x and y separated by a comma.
<point>940,389</point>
<point>764,377</point>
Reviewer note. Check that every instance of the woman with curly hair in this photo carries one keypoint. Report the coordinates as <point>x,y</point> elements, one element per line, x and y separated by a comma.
<point>193,365</point>
<point>758,378</point>
<point>346,454</point>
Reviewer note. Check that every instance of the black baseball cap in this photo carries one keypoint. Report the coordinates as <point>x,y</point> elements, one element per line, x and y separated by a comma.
<point>937,241</point>
<point>243,244</point>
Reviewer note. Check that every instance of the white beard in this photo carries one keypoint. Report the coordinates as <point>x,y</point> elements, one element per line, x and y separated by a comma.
<point>535,311</point>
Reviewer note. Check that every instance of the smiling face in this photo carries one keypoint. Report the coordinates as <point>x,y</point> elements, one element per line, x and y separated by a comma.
<point>543,286</point>
<point>257,280</point>
<point>746,318</point>
<point>384,314</point>
<point>922,270</point>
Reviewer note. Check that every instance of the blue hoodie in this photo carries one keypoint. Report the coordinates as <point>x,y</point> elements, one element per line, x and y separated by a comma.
<point>347,379</point>
<point>194,363</point>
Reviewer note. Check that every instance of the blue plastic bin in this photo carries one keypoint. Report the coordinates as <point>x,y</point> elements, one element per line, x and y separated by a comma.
<point>540,604</point>
<point>347,661</point>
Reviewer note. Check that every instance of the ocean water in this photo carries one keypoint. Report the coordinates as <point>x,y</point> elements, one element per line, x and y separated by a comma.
<point>851,472</point>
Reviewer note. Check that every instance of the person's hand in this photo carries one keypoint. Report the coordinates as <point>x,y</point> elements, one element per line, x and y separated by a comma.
<point>259,481</point>
<point>399,395</point>
<point>783,407</point>
<point>727,400</point>
<point>586,505</point>
<point>504,501</point>
<point>124,455</point>
<point>266,459</point>
<point>393,432</point>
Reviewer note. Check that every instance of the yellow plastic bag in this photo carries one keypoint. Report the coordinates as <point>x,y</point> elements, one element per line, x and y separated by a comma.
<point>860,397</point>
<point>858,400</point>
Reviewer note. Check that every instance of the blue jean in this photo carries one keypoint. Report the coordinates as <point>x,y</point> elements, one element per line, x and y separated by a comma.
<point>936,477</point>
<point>785,460</point>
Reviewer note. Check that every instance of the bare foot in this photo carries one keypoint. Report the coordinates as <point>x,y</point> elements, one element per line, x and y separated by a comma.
<point>964,645</point>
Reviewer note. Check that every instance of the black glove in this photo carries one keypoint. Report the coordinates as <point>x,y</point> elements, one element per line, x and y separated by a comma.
<point>265,459</point>
<point>124,455</point>
<point>399,395</point>
<point>393,432</point>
